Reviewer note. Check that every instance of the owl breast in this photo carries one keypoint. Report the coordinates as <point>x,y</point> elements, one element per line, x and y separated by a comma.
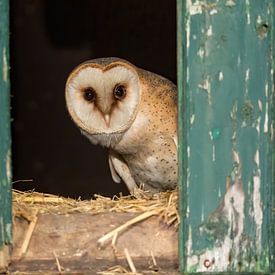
<point>156,169</point>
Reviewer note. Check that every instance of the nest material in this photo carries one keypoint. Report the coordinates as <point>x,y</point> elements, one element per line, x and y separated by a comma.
<point>165,205</point>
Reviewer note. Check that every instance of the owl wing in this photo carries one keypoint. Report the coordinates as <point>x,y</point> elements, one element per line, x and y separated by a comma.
<point>120,170</point>
<point>116,178</point>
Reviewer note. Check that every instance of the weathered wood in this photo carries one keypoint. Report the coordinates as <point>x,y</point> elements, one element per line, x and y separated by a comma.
<point>5,140</point>
<point>73,239</point>
<point>226,125</point>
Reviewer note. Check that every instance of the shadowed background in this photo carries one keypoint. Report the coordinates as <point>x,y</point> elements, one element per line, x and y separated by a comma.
<point>49,38</point>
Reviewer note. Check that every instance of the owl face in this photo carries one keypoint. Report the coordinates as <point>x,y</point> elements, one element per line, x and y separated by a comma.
<point>103,98</point>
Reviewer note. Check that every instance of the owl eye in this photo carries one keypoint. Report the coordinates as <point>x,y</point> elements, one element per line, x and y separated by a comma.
<point>119,92</point>
<point>89,94</point>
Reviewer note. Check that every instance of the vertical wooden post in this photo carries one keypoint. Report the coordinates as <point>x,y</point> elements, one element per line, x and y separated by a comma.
<point>5,139</point>
<point>226,132</point>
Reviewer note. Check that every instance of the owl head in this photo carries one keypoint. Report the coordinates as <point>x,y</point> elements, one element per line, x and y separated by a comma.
<point>102,95</point>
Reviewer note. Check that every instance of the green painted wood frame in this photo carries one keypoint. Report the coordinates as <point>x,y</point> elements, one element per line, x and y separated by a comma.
<point>226,130</point>
<point>5,139</point>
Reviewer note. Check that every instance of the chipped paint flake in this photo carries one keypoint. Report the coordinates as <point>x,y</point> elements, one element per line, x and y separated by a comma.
<point>206,85</point>
<point>194,8</point>
<point>230,3</point>
<point>232,209</point>
<point>260,105</point>
<point>266,110</point>
<point>209,31</point>
<point>213,11</point>
<point>188,30</point>
<point>202,213</point>
<point>192,119</point>
<point>220,76</point>
<point>213,153</point>
<point>248,20</point>
<point>8,165</point>
<point>211,135</point>
<point>236,157</point>
<point>259,19</point>
<point>188,177</point>
<point>247,77</point>
<point>257,126</point>
<point>188,151</point>
<point>5,66</point>
<point>201,52</point>
<point>257,204</point>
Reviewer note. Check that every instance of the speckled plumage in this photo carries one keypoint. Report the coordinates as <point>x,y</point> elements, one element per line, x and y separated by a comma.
<point>142,129</point>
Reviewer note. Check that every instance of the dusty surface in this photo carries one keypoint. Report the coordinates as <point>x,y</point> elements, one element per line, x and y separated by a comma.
<point>72,241</point>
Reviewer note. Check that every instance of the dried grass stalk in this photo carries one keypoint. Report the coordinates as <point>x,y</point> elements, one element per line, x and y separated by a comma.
<point>26,204</point>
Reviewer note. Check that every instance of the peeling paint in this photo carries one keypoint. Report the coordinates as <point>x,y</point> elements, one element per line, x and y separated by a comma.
<point>188,176</point>
<point>192,119</point>
<point>206,85</point>
<point>266,110</point>
<point>236,157</point>
<point>8,165</point>
<point>247,77</point>
<point>213,153</point>
<point>220,76</point>
<point>213,11</point>
<point>202,214</point>
<point>228,176</point>
<point>188,151</point>
<point>247,3</point>
<point>231,209</point>
<point>5,66</point>
<point>257,204</point>
<point>189,242</point>
<point>257,126</point>
<point>230,3</point>
<point>194,8</point>
<point>259,19</point>
<point>209,31</point>
<point>201,52</point>
<point>260,105</point>
<point>188,29</point>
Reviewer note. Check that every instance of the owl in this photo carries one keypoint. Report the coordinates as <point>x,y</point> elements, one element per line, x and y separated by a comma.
<point>132,112</point>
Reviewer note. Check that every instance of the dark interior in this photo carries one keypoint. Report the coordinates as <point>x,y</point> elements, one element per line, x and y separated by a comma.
<point>49,38</point>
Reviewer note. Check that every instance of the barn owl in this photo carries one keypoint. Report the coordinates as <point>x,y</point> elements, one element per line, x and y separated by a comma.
<point>131,111</point>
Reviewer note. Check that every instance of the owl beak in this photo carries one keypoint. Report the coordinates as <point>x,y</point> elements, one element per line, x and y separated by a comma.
<point>107,119</point>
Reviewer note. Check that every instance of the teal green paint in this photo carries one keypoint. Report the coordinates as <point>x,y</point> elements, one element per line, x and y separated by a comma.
<point>5,138</point>
<point>226,113</point>
<point>181,74</point>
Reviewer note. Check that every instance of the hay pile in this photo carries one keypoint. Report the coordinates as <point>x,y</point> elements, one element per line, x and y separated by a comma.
<point>163,204</point>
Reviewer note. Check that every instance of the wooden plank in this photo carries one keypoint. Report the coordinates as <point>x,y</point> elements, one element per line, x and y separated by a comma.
<point>226,125</point>
<point>73,240</point>
<point>5,139</point>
